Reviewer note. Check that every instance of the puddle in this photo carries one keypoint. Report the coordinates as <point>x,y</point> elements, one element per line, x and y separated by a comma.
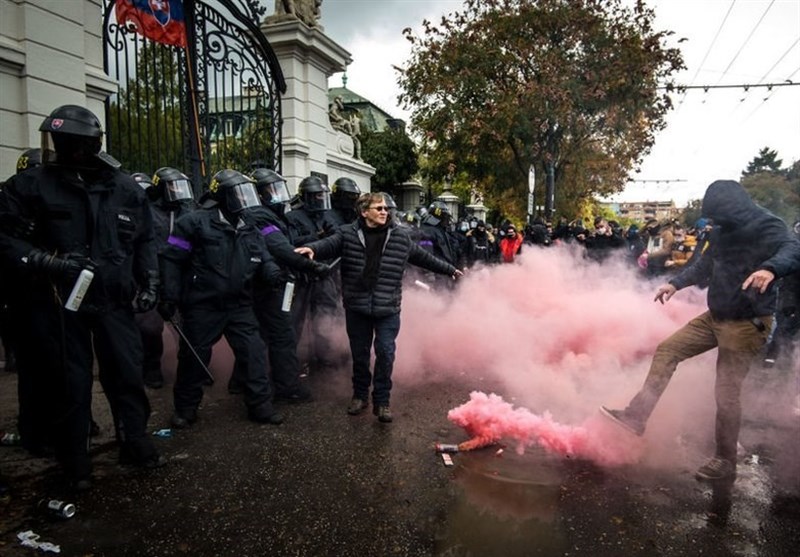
<point>504,505</point>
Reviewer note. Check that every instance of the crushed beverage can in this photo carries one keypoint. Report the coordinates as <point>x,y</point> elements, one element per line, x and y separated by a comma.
<point>10,439</point>
<point>58,509</point>
<point>446,448</point>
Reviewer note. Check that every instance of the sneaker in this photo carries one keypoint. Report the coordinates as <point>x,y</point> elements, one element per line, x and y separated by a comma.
<point>716,469</point>
<point>623,420</point>
<point>383,412</point>
<point>357,406</point>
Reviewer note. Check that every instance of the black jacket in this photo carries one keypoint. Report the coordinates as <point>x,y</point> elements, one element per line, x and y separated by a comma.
<point>209,263</point>
<point>398,250</point>
<point>102,214</point>
<point>275,233</point>
<point>745,238</point>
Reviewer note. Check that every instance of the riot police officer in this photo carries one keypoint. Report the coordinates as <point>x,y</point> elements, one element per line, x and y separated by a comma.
<point>209,267</point>
<point>170,194</point>
<point>84,214</point>
<point>271,309</point>
<point>316,298</point>
<point>344,195</point>
<point>437,239</point>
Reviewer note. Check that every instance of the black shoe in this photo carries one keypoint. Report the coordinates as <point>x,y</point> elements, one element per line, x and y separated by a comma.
<point>716,470</point>
<point>298,396</point>
<point>150,462</point>
<point>235,388</point>
<point>357,406</point>
<point>79,485</point>
<point>623,420</point>
<point>183,419</point>
<point>383,412</point>
<point>272,418</point>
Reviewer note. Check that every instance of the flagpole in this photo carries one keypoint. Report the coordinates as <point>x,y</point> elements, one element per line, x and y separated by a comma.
<point>189,8</point>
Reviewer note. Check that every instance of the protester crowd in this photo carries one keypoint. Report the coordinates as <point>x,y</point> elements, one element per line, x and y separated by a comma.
<point>246,261</point>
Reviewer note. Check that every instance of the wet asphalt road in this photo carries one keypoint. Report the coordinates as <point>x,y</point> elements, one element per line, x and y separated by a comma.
<point>327,484</point>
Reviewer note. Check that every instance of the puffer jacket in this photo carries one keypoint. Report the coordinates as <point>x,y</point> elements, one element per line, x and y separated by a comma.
<point>745,238</point>
<point>398,250</point>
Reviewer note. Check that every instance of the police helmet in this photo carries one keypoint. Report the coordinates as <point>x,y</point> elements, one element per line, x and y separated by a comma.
<point>233,190</point>
<point>344,193</point>
<point>315,194</point>
<point>144,181</point>
<point>271,186</point>
<point>31,158</point>
<point>172,184</point>
<point>73,133</point>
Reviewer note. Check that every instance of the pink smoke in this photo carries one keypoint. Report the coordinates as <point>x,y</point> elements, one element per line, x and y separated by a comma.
<point>488,419</point>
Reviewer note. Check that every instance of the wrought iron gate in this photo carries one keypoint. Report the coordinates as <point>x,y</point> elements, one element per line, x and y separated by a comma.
<point>211,104</point>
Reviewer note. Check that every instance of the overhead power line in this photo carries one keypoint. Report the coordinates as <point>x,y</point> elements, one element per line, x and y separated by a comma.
<point>735,56</point>
<point>745,86</point>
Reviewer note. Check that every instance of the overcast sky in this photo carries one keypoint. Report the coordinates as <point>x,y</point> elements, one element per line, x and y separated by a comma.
<point>710,135</point>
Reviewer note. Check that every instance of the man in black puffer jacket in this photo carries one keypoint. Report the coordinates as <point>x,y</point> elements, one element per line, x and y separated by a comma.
<point>374,256</point>
<point>748,249</point>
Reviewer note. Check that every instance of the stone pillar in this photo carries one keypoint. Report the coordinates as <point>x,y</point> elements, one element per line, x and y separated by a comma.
<point>308,57</point>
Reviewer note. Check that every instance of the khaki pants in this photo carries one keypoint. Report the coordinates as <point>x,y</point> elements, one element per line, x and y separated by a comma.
<point>738,341</point>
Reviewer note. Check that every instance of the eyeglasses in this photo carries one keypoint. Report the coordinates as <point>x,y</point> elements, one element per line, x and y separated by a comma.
<point>381,208</point>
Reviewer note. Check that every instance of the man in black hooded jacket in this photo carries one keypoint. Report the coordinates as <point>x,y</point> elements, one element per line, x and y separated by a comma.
<point>748,249</point>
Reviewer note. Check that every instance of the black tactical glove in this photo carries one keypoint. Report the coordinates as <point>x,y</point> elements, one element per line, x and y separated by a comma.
<point>67,266</point>
<point>320,270</point>
<point>148,296</point>
<point>167,310</point>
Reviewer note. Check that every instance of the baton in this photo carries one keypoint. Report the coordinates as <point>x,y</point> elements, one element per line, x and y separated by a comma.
<point>191,348</point>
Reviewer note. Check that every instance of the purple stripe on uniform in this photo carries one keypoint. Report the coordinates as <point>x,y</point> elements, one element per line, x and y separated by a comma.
<point>425,243</point>
<point>269,229</point>
<point>179,243</point>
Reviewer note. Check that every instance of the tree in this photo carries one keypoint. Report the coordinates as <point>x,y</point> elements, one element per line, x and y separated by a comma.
<point>766,161</point>
<point>146,127</point>
<point>393,155</point>
<point>507,83</point>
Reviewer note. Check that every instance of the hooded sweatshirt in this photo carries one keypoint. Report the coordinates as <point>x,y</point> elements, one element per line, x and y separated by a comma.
<point>745,238</point>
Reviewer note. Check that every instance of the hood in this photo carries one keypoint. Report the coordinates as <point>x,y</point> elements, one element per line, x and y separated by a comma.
<point>727,203</point>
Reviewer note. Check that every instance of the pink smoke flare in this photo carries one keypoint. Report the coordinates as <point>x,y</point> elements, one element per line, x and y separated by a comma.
<point>488,418</point>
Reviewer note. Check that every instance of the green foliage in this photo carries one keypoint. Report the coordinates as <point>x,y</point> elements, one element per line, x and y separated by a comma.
<point>393,155</point>
<point>507,83</point>
<point>692,212</point>
<point>766,161</point>
<point>145,117</point>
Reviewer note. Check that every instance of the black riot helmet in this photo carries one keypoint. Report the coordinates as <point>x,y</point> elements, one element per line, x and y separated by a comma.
<point>71,135</point>
<point>315,194</point>
<point>233,191</point>
<point>172,185</point>
<point>146,183</point>
<point>344,194</point>
<point>271,186</point>
<point>438,213</point>
<point>31,158</point>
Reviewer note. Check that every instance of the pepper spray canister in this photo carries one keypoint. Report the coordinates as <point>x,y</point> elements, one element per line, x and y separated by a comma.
<point>79,290</point>
<point>56,508</point>
<point>446,448</point>
<point>288,295</point>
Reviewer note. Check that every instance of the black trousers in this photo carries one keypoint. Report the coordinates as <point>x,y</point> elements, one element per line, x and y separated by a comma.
<point>59,360</point>
<point>278,334</point>
<point>203,327</point>
<point>151,328</point>
<point>318,300</point>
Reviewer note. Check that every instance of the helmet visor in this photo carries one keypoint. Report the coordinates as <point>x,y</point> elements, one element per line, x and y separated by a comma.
<point>178,190</point>
<point>277,192</point>
<point>317,201</point>
<point>242,196</point>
